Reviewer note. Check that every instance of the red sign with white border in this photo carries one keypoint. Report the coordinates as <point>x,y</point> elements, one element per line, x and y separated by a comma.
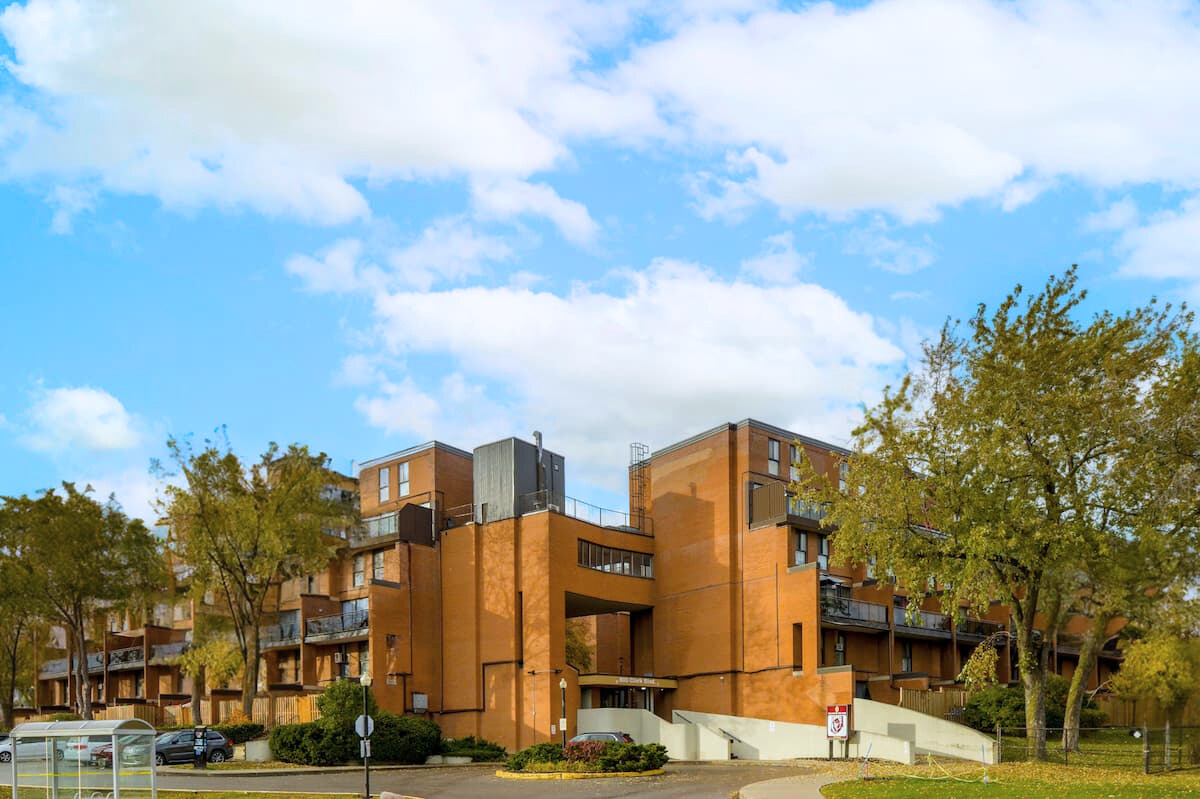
<point>837,722</point>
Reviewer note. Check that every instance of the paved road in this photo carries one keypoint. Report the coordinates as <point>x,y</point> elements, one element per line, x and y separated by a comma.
<point>681,781</point>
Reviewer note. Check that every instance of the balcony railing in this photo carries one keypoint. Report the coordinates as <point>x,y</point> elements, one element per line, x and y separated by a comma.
<point>129,656</point>
<point>925,622</point>
<point>95,662</point>
<point>280,635</point>
<point>159,652</point>
<point>977,629</point>
<point>854,611</point>
<point>340,625</point>
<point>798,506</point>
<point>53,667</point>
<point>1068,642</point>
<point>585,511</point>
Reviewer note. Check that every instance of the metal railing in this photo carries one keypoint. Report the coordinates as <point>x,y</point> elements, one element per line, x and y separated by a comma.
<point>978,629</point>
<point>350,622</point>
<point>95,662</point>
<point>852,610</point>
<point>805,509</point>
<point>924,621</point>
<point>164,651</point>
<point>128,656</point>
<point>52,667</point>
<point>585,511</point>
<point>280,635</point>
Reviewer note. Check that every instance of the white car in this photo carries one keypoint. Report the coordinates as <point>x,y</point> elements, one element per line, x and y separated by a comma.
<point>27,749</point>
<point>82,749</point>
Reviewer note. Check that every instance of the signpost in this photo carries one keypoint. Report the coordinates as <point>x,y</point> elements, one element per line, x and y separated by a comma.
<point>364,725</point>
<point>837,727</point>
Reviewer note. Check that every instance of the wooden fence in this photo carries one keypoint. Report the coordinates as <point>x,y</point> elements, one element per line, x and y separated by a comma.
<point>933,703</point>
<point>1131,713</point>
<point>267,710</point>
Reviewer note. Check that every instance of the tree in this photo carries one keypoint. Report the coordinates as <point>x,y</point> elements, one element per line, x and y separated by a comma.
<point>212,657</point>
<point>579,652</point>
<point>241,529</point>
<point>18,620</point>
<point>78,558</point>
<point>1015,459</point>
<point>1161,668</point>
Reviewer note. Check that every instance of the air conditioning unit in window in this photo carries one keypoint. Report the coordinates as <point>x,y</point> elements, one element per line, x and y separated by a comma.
<point>839,645</point>
<point>340,657</point>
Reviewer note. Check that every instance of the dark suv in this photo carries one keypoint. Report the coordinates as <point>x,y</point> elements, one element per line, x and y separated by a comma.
<point>176,747</point>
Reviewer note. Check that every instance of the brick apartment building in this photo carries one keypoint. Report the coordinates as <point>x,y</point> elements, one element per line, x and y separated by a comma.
<point>713,592</point>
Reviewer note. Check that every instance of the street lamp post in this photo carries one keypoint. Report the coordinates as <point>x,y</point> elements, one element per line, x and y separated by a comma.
<point>364,679</point>
<point>562,720</point>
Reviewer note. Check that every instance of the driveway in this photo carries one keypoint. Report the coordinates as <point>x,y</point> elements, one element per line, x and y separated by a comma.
<point>681,781</point>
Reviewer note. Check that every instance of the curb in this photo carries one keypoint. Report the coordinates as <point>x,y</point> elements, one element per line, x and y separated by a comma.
<point>167,771</point>
<point>574,775</point>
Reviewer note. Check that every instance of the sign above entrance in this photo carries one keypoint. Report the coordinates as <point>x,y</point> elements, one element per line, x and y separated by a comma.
<point>625,681</point>
<point>837,722</point>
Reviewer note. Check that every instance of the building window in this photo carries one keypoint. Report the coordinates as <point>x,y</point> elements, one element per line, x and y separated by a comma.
<point>872,562</point>
<point>772,456</point>
<point>843,477</point>
<point>138,684</point>
<point>377,565</point>
<point>823,552</point>
<point>906,665</point>
<point>799,547</point>
<point>359,570</point>
<point>615,561</point>
<point>363,657</point>
<point>839,649</point>
<point>384,484</point>
<point>794,451</point>
<point>402,480</point>
<point>797,647</point>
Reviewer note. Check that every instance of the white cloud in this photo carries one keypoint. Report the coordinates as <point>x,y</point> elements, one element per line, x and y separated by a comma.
<point>335,270</point>
<point>279,105</point>
<point>1165,246</point>
<point>905,296</point>
<point>1118,216</point>
<point>135,489</point>
<point>909,106</point>
<point>901,106</point>
<point>778,262</point>
<point>80,418</point>
<point>69,202</point>
<point>668,353</point>
<point>448,250</point>
<point>506,199</point>
<point>888,253</point>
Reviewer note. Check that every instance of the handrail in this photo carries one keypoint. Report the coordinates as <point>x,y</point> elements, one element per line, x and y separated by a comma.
<point>638,524</point>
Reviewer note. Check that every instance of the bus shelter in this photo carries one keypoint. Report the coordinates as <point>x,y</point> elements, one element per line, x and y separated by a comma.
<point>81,760</point>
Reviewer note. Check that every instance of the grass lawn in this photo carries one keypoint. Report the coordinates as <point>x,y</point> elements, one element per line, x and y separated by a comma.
<point>960,780</point>
<point>242,765</point>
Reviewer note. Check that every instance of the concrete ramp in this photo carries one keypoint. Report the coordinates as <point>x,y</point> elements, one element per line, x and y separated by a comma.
<point>886,731</point>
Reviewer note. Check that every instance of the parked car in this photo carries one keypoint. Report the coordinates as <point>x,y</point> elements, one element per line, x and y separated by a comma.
<point>134,751</point>
<point>28,749</point>
<point>80,749</point>
<point>619,737</point>
<point>176,747</point>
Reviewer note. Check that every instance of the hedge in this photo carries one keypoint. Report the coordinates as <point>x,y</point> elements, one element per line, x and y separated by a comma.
<point>478,749</point>
<point>396,739</point>
<point>609,758</point>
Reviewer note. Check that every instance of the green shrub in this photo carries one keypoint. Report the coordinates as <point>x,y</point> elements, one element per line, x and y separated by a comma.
<point>241,732</point>
<point>404,739</point>
<point>65,717</point>
<point>538,753</point>
<point>1005,706</point>
<point>342,702</point>
<point>631,757</point>
<point>585,751</point>
<point>313,744</point>
<point>478,749</point>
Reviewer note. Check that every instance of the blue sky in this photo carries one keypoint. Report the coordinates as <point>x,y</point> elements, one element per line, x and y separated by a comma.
<point>364,228</point>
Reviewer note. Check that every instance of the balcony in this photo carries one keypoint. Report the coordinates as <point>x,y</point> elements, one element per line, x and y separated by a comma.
<point>280,635</point>
<point>773,503</point>
<point>924,623</point>
<point>130,657</point>
<point>585,512</point>
<point>161,653</point>
<point>95,662</point>
<point>53,668</point>
<point>841,611</point>
<point>976,630</point>
<point>1068,643</point>
<point>352,624</point>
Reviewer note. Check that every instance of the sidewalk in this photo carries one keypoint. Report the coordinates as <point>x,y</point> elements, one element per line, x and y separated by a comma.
<point>805,787</point>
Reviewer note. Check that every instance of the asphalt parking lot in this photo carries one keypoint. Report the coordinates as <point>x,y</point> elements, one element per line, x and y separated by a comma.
<point>682,780</point>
